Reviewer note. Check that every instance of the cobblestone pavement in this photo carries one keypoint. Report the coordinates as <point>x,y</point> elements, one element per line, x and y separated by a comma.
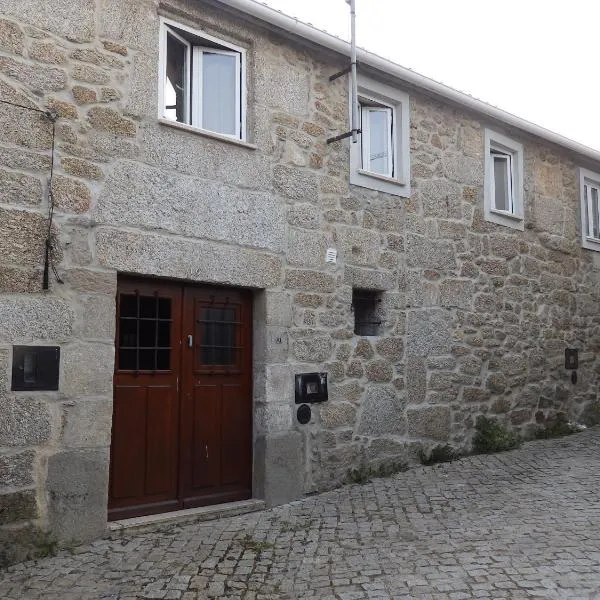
<point>522,524</point>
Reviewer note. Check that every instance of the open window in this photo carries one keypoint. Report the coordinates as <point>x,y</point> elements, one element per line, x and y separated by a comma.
<point>503,193</point>
<point>590,209</point>
<point>381,160</point>
<point>202,81</point>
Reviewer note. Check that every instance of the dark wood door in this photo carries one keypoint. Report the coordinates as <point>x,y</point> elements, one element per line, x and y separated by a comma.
<point>217,401</point>
<point>182,415</point>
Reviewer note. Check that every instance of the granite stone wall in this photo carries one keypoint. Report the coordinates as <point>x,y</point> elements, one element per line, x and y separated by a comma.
<point>475,316</point>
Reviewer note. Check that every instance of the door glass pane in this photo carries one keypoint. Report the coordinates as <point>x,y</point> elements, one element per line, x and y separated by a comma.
<point>144,337</point>
<point>595,232</point>
<point>501,182</point>
<point>219,98</point>
<point>175,92</point>
<point>379,142</point>
<point>219,333</point>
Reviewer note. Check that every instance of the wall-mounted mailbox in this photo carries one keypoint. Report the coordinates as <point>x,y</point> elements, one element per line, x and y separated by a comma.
<point>311,387</point>
<point>571,358</point>
<point>35,368</point>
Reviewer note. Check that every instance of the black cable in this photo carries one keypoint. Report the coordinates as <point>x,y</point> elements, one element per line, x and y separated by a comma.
<point>48,247</point>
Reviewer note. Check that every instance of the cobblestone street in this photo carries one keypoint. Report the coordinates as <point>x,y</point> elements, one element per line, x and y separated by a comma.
<point>523,524</point>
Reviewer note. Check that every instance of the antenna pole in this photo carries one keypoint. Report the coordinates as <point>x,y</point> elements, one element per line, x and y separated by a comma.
<point>354,111</point>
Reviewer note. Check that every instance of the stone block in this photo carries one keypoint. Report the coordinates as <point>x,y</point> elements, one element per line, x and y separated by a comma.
<point>17,188</point>
<point>369,279</point>
<point>83,95</point>
<point>383,412</point>
<point>379,371</point>
<point>77,487</point>
<point>429,422</point>
<point>306,248</point>
<point>27,319</point>
<point>87,423</point>
<point>428,333</point>
<point>185,259</point>
<point>429,254</point>
<point>120,22</point>
<point>134,196</point>
<point>337,414</point>
<point>441,198</point>
<point>70,195</point>
<point>90,281</point>
<point>19,158</point>
<point>177,150</point>
<point>16,469</point>
<point>280,86</point>
<point>75,21</point>
<point>47,52</point>
<point>391,348</point>
<point>273,418</point>
<point>18,506</point>
<point>25,422</point>
<point>63,109</point>
<point>5,371</point>
<point>360,246</point>
<point>37,78</point>
<point>22,238</point>
<point>278,307</point>
<point>346,392</point>
<point>86,369</point>
<point>279,469</point>
<point>463,169</point>
<point>471,394</point>
<point>11,37</point>
<point>95,75</point>
<point>309,281</point>
<point>109,119</point>
<point>81,168</point>
<point>114,47</point>
<point>98,318</point>
<point>416,380</point>
<point>295,184</point>
<point>23,127</point>
<point>314,350</point>
<point>506,246</point>
<point>457,293</point>
<point>304,215</point>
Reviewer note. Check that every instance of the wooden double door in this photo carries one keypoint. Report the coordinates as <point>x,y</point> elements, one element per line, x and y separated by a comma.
<point>182,417</point>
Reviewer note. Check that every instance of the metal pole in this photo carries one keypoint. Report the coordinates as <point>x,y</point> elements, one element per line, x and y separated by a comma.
<point>354,111</point>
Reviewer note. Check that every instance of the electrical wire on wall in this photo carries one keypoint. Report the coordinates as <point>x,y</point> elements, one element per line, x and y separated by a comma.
<point>48,262</point>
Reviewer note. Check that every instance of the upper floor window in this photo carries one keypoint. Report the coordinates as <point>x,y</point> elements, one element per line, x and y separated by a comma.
<point>381,160</point>
<point>202,81</point>
<point>503,192</point>
<point>590,209</point>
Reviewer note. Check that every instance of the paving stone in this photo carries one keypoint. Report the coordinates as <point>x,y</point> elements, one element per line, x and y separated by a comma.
<point>521,524</point>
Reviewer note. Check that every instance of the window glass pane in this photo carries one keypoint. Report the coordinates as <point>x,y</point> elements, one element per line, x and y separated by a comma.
<point>128,360</point>
<point>219,98</point>
<point>379,139</point>
<point>595,232</point>
<point>128,333</point>
<point>148,306</point>
<point>147,333</point>
<point>500,182</point>
<point>128,305</point>
<point>219,336</point>
<point>175,93</point>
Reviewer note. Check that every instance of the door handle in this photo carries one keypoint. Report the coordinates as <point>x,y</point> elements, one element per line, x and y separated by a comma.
<point>206,451</point>
<point>190,341</point>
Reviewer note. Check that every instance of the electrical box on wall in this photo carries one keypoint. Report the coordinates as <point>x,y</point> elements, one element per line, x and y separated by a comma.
<point>311,387</point>
<point>571,358</point>
<point>35,368</point>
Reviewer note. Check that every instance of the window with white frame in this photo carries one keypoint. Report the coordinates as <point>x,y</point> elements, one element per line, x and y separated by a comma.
<point>202,81</point>
<point>503,191</point>
<point>380,160</point>
<point>590,209</point>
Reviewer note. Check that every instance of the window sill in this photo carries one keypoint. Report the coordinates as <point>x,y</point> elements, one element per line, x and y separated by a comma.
<point>205,133</point>
<point>380,177</point>
<point>506,214</point>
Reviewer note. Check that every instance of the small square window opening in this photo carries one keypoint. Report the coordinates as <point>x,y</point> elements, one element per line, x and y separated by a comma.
<point>366,306</point>
<point>202,82</point>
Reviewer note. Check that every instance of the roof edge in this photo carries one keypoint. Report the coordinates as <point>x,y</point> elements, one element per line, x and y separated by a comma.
<point>322,38</point>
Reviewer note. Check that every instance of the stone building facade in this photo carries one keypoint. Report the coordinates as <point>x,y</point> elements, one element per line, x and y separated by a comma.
<point>473,316</point>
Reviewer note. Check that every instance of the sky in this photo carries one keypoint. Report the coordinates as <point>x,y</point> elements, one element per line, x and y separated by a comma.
<point>534,58</point>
